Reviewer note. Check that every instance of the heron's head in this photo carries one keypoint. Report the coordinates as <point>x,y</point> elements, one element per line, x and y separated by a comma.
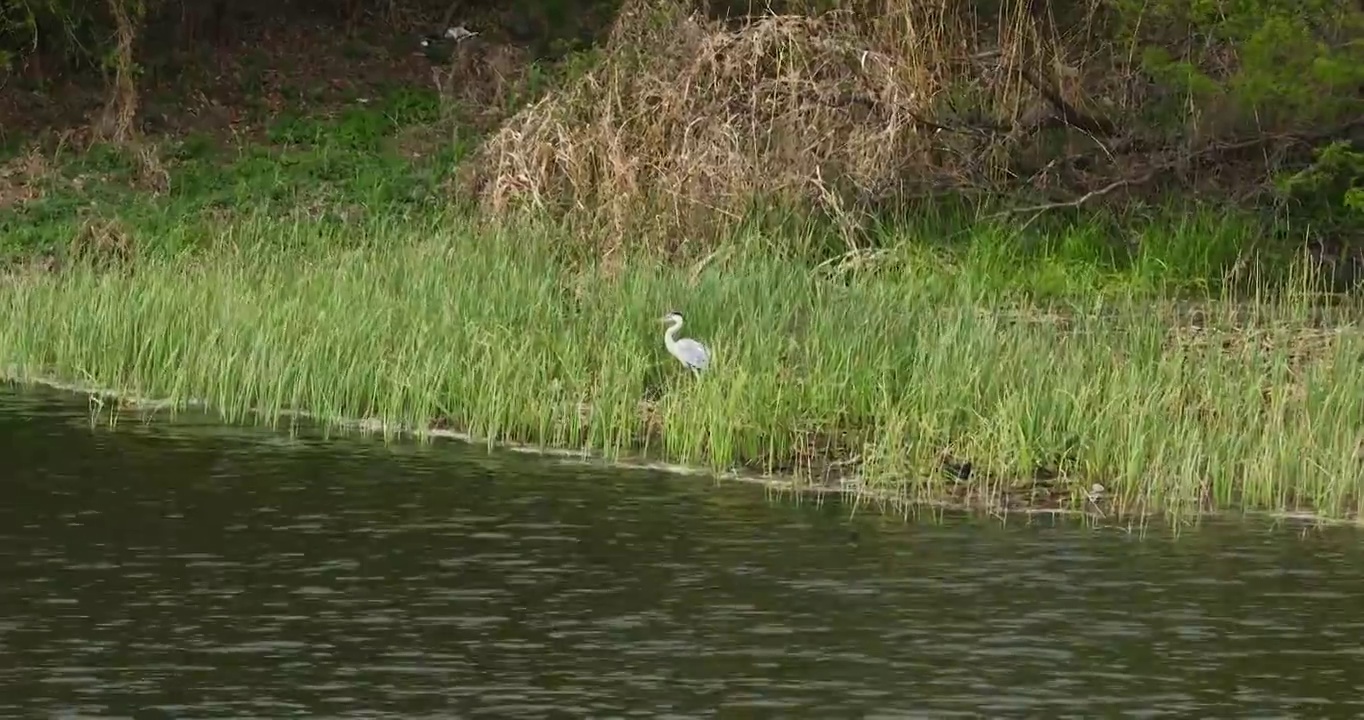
<point>672,317</point>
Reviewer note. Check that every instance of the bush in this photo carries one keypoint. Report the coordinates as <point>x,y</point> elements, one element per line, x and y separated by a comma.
<point>688,124</point>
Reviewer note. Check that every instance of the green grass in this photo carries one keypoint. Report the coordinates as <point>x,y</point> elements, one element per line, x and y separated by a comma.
<point>322,269</point>
<point>893,366</point>
<point>395,158</point>
<point>389,158</point>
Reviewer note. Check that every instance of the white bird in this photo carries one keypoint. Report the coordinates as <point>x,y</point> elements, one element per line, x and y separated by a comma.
<point>692,354</point>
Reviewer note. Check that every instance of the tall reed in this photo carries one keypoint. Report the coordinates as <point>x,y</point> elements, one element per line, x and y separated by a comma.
<point>891,376</point>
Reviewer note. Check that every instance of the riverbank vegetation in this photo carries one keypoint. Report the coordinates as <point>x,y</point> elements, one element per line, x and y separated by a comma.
<point>907,379</point>
<point>978,256</point>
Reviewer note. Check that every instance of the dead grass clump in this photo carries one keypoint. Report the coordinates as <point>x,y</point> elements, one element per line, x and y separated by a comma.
<point>21,178</point>
<point>1299,346</point>
<point>686,125</point>
<point>482,80</point>
<point>151,173</point>
<point>103,243</point>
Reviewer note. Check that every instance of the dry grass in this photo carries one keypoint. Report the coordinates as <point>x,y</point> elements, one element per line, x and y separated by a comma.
<point>482,80</point>
<point>102,243</point>
<point>22,176</point>
<point>687,123</point>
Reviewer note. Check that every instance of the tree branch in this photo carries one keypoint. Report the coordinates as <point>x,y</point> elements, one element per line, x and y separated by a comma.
<point>1077,202</point>
<point>1098,126</point>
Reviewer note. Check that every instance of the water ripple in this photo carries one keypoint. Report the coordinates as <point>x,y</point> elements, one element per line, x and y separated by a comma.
<point>153,571</point>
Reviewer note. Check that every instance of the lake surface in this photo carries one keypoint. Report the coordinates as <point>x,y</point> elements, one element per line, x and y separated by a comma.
<point>177,570</point>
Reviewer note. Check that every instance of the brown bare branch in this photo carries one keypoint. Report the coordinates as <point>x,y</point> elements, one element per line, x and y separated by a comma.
<point>1083,199</point>
<point>1097,126</point>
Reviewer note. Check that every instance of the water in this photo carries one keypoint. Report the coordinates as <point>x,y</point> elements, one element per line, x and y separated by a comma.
<point>186,570</point>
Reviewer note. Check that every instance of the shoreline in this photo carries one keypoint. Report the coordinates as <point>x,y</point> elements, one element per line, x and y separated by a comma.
<point>460,264</point>
<point>915,386</point>
<point>780,484</point>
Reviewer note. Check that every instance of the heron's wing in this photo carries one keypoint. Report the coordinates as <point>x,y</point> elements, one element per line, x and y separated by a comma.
<point>693,352</point>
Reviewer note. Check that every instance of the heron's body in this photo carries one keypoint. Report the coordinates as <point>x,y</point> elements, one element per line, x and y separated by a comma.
<point>691,353</point>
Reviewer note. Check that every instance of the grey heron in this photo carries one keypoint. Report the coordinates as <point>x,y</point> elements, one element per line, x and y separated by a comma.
<point>692,354</point>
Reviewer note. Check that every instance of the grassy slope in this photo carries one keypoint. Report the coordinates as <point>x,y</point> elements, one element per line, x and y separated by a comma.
<point>329,275</point>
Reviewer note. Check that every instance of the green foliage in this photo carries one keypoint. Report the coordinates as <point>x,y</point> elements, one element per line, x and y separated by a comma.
<point>1354,200</point>
<point>362,126</point>
<point>413,106</point>
<point>19,27</point>
<point>77,31</point>
<point>1332,185</point>
<point>340,168</point>
<point>1272,63</point>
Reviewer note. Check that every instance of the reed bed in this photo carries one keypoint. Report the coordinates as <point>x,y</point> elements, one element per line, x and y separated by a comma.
<point>903,381</point>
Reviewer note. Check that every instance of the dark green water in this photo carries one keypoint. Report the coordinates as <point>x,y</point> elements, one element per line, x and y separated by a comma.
<point>184,570</point>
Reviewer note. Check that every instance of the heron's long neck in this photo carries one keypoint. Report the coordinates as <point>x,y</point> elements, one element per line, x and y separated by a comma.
<point>670,335</point>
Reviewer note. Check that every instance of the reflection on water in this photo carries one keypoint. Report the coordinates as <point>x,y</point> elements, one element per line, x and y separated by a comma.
<point>184,570</point>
